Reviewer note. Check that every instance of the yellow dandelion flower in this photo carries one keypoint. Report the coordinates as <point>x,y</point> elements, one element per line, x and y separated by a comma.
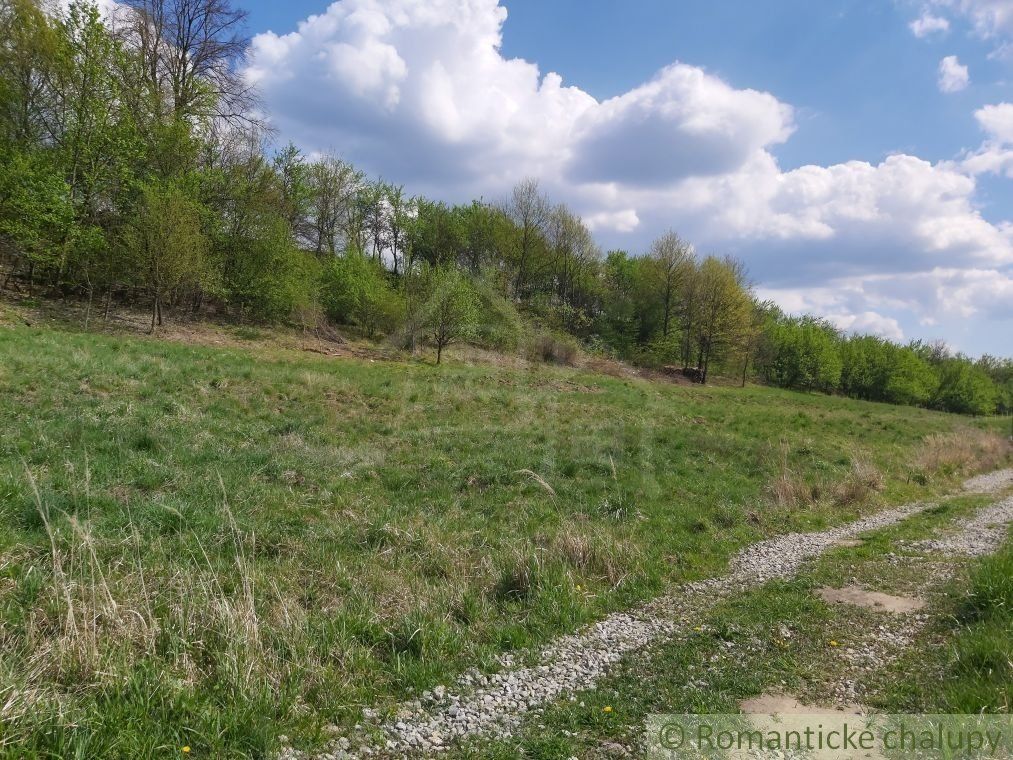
<point>607,709</point>
<point>186,750</point>
<point>698,628</point>
<point>834,643</point>
<point>577,587</point>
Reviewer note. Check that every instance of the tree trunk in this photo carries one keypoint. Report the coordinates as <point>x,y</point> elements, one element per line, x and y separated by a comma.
<point>439,352</point>
<point>109,302</point>
<point>154,313</point>
<point>87,311</point>
<point>10,274</point>
<point>158,309</point>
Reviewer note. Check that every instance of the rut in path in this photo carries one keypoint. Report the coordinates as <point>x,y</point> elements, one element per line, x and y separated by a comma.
<point>494,704</point>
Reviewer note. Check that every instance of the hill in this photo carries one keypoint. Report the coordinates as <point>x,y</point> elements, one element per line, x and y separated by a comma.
<point>213,545</point>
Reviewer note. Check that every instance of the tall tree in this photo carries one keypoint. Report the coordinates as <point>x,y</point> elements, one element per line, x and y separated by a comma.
<point>529,210</point>
<point>670,258</point>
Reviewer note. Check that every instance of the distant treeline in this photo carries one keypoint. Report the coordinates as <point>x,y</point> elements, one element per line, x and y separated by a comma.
<point>136,167</point>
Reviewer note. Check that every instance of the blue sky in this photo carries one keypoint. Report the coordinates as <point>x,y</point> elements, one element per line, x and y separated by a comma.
<point>818,141</point>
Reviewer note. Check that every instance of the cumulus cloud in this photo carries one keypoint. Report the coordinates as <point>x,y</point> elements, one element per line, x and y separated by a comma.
<point>869,322</point>
<point>420,92</point>
<point>997,121</point>
<point>928,24</point>
<point>995,156</point>
<point>953,76</point>
<point>682,123</point>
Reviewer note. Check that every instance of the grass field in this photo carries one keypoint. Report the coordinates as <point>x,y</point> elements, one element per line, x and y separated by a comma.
<point>211,546</point>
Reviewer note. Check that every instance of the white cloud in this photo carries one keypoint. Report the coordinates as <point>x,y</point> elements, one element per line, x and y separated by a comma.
<point>995,156</point>
<point>418,91</point>
<point>869,322</point>
<point>625,220</point>
<point>990,18</point>
<point>928,24</point>
<point>953,76</point>
<point>997,121</point>
<point>684,122</point>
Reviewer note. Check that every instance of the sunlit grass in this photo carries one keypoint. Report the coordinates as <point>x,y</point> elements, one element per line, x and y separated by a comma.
<point>208,547</point>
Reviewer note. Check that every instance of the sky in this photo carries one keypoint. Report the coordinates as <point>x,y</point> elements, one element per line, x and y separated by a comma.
<point>857,155</point>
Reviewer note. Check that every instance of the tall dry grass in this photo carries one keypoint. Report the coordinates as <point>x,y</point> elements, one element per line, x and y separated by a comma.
<point>963,452</point>
<point>791,489</point>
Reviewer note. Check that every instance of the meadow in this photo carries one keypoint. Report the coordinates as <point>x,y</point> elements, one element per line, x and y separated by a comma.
<point>211,546</point>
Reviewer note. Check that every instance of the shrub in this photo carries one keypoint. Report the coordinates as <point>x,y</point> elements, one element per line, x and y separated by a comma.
<point>355,291</point>
<point>553,348</point>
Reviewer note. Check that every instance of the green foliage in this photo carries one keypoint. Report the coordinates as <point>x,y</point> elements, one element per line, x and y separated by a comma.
<point>36,214</point>
<point>165,238</point>
<point>801,353</point>
<point>450,313</point>
<point>128,169</point>
<point>355,291</point>
<point>268,277</point>
<point>878,370</point>
<point>501,326</point>
<point>964,388</point>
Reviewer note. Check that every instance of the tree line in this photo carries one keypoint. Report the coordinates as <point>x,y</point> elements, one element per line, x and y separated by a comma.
<point>135,168</point>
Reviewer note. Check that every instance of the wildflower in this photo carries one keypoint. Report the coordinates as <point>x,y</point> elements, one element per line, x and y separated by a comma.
<point>186,749</point>
<point>577,587</point>
<point>698,628</point>
<point>834,643</point>
<point>607,709</point>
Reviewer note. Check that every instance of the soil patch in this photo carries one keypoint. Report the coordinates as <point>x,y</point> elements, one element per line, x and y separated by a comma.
<point>773,703</point>
<point>871,599</point>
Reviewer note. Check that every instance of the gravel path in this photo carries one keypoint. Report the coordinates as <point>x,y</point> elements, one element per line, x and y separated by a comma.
<point>495,704</point>
<point>990,482</point>
<point>982,534</point>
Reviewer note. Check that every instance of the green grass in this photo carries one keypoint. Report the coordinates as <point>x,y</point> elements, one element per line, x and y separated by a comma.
<point>210,547</point>
<point>777,638</point>
<point>965,665</point>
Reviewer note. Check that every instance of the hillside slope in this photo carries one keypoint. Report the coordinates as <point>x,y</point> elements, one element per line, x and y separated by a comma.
<point>210,546</point>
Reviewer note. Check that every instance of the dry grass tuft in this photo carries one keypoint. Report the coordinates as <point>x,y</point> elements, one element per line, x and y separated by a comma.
<point>538,479</point>
<point>789,489</point>
<point>593,555</point>
<point>960,453</point>
<point>863,481</point>
<point>519,576</point>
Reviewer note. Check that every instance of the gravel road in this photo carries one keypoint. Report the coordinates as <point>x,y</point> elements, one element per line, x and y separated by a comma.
<point>495,704</point>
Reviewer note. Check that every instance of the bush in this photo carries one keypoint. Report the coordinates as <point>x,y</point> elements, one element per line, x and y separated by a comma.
<point>553,348</point>
<point>270,279</point>
<point>355,291</point>
<point>501,327</point>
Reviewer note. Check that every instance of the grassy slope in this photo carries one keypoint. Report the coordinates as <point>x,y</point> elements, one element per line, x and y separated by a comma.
<point>740,649</point>
<point>207,547</point>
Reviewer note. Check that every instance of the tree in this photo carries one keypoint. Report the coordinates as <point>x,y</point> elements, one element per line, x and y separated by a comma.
<point>451,311</point>
<point>671,260</point>
<point>189,54</point>
<point>964,388</point>
<point>529,210</point>
<point>801,353</point>
<point>36,214</point>
<point>334,221</point>
<point>722,320</point>
<point>165,236</point>
<point>296,194</point>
